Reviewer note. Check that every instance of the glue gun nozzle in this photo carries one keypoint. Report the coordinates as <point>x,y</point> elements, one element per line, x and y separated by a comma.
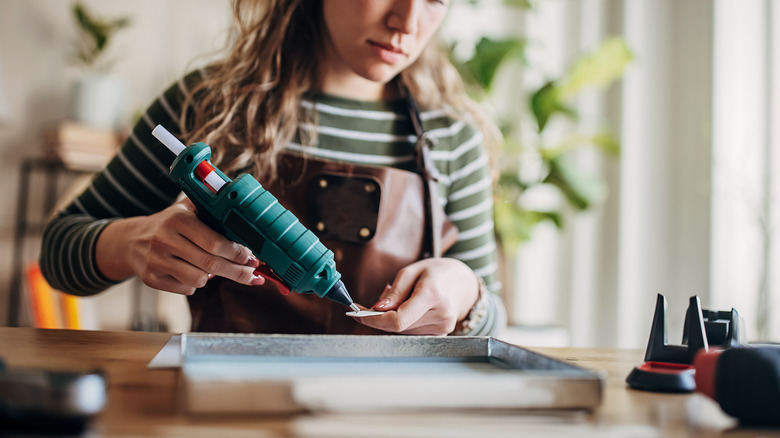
<point>354,307</point>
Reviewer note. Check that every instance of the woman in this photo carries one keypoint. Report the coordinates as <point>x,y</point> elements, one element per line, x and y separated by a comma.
<point>325,85</point>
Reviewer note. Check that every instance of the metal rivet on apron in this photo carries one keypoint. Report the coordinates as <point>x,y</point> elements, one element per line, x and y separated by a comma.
<point>365,232</point>
<point>320,226</point>
<point>323,183</point>
<point>369,187</point>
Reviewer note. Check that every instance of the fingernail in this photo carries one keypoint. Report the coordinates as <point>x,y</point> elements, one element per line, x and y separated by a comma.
<point>258,280</point>
<point>211,276</point>
<point>381,304</point>
<point>253,262</point>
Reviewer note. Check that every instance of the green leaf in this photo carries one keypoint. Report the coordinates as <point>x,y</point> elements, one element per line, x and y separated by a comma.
<point>525,4</point>
<point>515,224</point>
<point>83,19</point>
<point>510,180</point>
<point>95,34</point>
<point>580,189</point>
<point>489,55</point>
<point>552,216</point>
<point>119,23</point>
<point>547,101</point>
<point>607,143</point>
<point>598,69</point>
<point>604,141</point>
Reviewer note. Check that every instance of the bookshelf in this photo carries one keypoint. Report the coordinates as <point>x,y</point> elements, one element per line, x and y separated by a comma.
<point>72,153</point>
<point>41,183</point>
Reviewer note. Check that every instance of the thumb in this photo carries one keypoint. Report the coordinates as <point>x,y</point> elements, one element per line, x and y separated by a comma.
<point>187,203</point>
<point>395,294</point>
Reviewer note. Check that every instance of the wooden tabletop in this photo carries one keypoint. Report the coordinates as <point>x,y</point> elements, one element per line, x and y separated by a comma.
<point>144,402</point>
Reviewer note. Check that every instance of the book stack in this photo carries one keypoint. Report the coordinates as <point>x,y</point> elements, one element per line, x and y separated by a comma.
<point>82,147</point>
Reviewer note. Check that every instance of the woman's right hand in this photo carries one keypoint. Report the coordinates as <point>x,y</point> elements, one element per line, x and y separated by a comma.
<point>172,250</point>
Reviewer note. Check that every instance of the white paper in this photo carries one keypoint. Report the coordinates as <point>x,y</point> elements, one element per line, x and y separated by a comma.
<point>169,356</point>
<point>363,313</point>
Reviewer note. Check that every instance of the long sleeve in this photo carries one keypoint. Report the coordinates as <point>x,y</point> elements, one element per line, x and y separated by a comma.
<point>134,183</point>
<point>469,205</point>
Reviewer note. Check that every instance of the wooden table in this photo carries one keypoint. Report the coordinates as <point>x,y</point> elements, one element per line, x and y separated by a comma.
<point>144,402</point>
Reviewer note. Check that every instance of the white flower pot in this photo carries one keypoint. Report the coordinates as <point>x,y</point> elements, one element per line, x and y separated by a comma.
<point>99,100</point>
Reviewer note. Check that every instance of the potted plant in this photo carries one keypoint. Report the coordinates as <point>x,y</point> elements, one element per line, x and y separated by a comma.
<point>528,163</point>
<point>99,95</point>
<point>553,166</point>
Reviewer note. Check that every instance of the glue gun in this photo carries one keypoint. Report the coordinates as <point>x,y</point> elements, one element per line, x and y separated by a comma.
<point>243,211</point>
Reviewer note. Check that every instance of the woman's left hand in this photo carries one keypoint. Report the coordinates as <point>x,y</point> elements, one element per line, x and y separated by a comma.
<point>428,297</point>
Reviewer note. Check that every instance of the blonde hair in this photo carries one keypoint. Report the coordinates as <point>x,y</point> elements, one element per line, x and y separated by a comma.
<point>247,106</point>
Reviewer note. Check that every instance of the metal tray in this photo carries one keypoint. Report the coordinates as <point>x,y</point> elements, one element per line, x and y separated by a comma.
<point>291,373</point>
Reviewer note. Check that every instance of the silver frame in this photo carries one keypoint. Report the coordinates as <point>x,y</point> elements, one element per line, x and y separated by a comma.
<point>218,376</point>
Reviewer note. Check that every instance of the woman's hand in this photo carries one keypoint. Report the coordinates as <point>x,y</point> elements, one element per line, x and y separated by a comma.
<point>172,250</point>
<point>427,297</point>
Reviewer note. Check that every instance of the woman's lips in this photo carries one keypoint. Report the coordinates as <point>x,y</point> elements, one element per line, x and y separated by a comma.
<point>387,52</point>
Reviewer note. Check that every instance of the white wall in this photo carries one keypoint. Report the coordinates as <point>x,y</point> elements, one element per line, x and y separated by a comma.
<point>36,41</point>
<point>665,165</point>
<point>745,164</point>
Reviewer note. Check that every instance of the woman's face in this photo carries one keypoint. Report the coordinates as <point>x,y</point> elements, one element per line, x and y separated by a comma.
<point>368,42</point>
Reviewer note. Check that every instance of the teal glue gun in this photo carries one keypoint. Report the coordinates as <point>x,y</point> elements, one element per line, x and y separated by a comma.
<point>242,210</point>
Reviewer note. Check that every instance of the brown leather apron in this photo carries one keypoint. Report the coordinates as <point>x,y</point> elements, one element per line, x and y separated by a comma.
<point>372,218</point>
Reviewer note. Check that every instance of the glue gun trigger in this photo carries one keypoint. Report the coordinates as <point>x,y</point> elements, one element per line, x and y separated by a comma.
<point>266,272</point>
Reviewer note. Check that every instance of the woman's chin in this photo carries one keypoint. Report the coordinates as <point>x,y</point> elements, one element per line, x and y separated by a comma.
<point>381,74</point>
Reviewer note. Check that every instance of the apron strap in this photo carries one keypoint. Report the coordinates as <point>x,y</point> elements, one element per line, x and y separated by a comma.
<point>426,168</point>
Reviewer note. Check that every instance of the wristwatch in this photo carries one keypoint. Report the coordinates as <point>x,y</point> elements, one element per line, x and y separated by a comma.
<point>476,315</point>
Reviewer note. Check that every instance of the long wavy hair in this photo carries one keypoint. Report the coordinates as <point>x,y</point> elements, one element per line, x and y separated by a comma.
<point>247,106</point>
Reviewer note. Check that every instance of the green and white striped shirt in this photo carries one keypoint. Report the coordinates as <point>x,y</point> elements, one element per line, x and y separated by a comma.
<point>136,182</point>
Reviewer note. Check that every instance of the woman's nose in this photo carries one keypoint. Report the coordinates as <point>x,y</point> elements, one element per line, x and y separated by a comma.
<point>404,16</point>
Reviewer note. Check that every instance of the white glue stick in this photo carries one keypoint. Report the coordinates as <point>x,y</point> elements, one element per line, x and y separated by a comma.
<point>204,171</point>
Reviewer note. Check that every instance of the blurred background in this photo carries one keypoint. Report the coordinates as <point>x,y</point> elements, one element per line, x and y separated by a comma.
<point>640,154</point>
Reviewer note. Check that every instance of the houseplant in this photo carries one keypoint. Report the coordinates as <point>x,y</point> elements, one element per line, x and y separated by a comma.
<point>99,95</point>
<point>552,164</point>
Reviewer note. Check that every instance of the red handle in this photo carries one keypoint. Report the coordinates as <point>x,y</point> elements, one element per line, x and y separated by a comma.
<point>266,272</point>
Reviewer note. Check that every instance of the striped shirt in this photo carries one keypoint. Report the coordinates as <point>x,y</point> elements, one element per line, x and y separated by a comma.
<point>137,182</point>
